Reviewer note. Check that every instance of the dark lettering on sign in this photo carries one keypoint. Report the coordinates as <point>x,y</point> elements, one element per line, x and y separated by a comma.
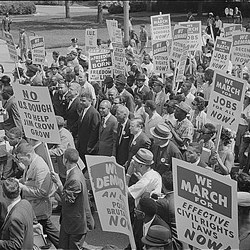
<point>30,96</point>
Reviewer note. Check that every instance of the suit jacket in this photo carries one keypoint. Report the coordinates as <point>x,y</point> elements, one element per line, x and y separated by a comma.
<point>17,230</point>
<point>146,92</point>
<point>142,141</point>
<point>72,116</point>
<point>13,119</point>
<point>107,136</point>
<point>60,104</point>
<point>129,100</point>
<point>38,187</point>
<point>76,212</point>
<point>121,148</point>
<point>163,157</point>
<point>88,132</point>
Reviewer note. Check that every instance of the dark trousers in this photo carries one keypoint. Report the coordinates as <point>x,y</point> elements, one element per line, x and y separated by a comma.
<point>51,231</point>
<point>70,241</point>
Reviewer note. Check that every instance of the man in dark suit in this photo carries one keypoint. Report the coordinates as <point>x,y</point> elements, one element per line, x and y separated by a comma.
<point>60,99</point>
<point>72,114</point>
<point>88,126</point>
<point>142,88</point>
<point>120,84</point>
<point>163,148</point>
<point>13,118</point>
<point>107,130</point>
<point>123,135</point>
<point>17,230</point>
<point>193,154</point>
<point>145,218</point>
<point>76,216</point>
<point>138,139</point>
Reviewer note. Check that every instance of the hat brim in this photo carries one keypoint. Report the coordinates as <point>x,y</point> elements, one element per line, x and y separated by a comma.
<point>159,137</point>
<point>177,106</point>
<point>141,162</point>
<point>149,243</point>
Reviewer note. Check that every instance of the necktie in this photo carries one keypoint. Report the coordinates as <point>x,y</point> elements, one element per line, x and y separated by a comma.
<point>120,133</point>
<point>103,121</point>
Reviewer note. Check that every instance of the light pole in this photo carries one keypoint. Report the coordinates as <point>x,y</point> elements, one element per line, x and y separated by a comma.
<point>126,20</point>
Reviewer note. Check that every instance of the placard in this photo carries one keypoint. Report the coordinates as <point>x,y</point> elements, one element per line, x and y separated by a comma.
<point>161,27</point>
<point>161,51</point>
<point>37,49</point>
<point>112,26</point>
<point>118,59</point>
<point>11,46</point>
<point>226,100</point>
<point>221,54</point>
<point>205,207</point>
<point>110,191</point>
<point>90,39</point>
<point>182,65</point>
<point>229,28</point>
<point>194,35</point>
<point>100,66</point>
<point>179,41</point>
<point>37,113</point>
<point>241,48</point>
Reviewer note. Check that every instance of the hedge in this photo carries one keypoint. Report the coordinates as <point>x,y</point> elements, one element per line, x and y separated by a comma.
<point>135,6</point>
<point>17,7</point>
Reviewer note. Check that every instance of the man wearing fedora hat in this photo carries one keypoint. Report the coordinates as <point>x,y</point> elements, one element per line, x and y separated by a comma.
<point>184,129</point>
<point>120,84</point>
<point>149,179</point>
<point>158,237</point>
<point>163,148</point>
<point>142,88</point>
<point>160,96</point>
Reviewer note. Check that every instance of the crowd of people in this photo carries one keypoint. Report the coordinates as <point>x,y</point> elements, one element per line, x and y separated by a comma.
<point>137,117</point>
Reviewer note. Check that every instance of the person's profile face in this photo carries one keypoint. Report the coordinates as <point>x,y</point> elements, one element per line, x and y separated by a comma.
<point>191,155</point>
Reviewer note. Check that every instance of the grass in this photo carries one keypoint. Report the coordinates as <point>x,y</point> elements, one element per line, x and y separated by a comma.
<point>58,31</point>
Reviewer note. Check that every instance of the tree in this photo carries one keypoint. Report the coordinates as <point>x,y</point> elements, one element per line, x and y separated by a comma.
<point>67,10</point>
<point>99,12</point>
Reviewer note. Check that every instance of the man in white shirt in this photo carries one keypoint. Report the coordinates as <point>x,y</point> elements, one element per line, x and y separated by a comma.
<point>87,87</point>
<point>149,180</point>
<point>148,65</point>
<point>73,45</point>
<point>152,118</point>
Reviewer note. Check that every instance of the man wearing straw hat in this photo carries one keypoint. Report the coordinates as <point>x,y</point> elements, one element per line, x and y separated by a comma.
<point>163,149</point>
<point>149,179</point>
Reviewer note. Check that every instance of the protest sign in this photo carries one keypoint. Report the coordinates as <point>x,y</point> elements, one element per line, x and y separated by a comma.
<point>90,39</point>
<point>112,26</point>
<point>194,35</point>
<point>37,49</point>
<point>100,66</point>
<point>182,65</point>
<point>118,58</point>
<point>221,54</point>
<point>229,28</point>
<point>241,48</point>
<point>161,51</point>
<point>37,113</point>
<point>161,27</point>
<point>179,42</point>
<point>226,100</point>
<point>205,207</point>
<point>11,46</point>
<point>109,188</point>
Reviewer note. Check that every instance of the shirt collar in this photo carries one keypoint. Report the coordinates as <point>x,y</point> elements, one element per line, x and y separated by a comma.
<point>69,170</point>
<point>13,204</point>
<point>136,135</point>
<point>107,117</point>
<point>164,145</point>
<point>196,163</point>
<point>147,225</point>
<point>124,122</point>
